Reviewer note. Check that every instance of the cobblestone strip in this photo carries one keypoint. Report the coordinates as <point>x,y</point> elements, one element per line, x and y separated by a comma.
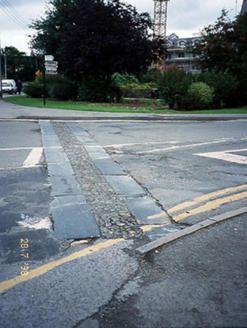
<point>109,210</point>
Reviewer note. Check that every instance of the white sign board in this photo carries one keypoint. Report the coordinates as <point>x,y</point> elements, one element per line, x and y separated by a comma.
<point>49,57</point>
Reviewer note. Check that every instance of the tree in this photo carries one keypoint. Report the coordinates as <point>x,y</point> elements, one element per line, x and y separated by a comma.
<point>94,38</point>
<point>224,45</point>
<point>223,48</point>
<point>17,65</point>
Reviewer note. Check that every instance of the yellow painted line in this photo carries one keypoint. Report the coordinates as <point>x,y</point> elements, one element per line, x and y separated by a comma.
<point>157,216</point>
<point>49,266</point>
<point>211,205</point>
<point>150,227</point>
<point>206,197</point>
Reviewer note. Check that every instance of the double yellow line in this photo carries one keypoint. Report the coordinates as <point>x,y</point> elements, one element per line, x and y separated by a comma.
<point>193,207</point>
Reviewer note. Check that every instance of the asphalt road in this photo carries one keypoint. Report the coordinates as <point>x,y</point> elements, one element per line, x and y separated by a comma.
<point>178,162</point>
<point>191,170</point>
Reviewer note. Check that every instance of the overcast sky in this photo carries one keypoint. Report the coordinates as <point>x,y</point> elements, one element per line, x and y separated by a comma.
<point>185,17</point>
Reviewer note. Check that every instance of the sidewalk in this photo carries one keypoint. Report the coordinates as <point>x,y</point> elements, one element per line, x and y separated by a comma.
<point>11,111</point>
<point>197,281</point>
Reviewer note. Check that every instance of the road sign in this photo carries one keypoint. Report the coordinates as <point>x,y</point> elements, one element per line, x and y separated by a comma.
<point>51,67</point>
<point>51,64</point>
<point>49,57</point>
<point>50,72</point>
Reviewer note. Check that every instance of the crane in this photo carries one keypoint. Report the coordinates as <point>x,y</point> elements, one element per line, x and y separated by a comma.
<point>160,18</point>
<point>159,25</point>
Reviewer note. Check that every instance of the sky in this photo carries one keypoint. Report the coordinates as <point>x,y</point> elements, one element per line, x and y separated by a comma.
<point>185,17</point>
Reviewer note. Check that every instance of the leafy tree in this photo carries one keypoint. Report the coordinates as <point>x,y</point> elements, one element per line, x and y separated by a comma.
<point>224,45</point>
<point>94,38</point>
<point>223,48</point>
<point>19,66</point>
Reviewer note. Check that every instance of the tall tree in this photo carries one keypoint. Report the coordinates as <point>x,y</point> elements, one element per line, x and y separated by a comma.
<point>223,48</point>
<point>96,38</point>
<point>224,45</point>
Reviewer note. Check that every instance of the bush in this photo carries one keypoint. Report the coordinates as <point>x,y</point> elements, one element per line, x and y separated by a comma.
<point>63,91</point>
<point>224,85</point>
<point>199,96</point>
<point>136,86</point>
<point>99,90</point>
<point>34,90</point>
<point>121,80</point>
<point>173,85</point>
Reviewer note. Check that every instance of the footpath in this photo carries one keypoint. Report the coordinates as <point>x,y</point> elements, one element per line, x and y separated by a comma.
<point>192,277</point>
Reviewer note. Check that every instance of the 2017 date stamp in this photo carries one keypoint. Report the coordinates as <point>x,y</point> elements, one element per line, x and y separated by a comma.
<point>24,248</point>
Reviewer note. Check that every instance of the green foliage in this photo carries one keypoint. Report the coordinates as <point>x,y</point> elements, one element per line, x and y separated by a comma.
<point>99,90</point>
<point>149,76</point>
<point>34,90</point>
<point>92,38</point>
<point>63,91</point>
<point>199,96</point>
<point>19,66</point>
<point>122,79</point>
<point>223,46</point>
<point>224,85</point>
<point>136,86</point>
<point>173,85</point>
<point>223,49</point>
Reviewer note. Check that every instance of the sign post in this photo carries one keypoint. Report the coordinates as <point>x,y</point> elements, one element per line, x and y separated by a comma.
<point>50,68</point>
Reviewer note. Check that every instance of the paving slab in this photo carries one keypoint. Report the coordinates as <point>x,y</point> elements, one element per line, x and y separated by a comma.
<point>64,185</point>
<point>147,211</point>
<point>55,155</point>
<point>73,219</point>
<point>125,186</point>
<point>60,169</point>
<point>107,166</point>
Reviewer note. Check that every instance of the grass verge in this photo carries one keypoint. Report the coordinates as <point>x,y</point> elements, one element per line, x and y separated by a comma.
<point>128,106</point>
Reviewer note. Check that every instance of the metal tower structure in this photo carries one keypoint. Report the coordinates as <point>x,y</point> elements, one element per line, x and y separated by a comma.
<point>160,18</point>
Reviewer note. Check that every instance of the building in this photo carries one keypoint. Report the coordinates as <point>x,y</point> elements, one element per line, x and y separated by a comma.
<point>244,8</point>
<point>178,53</point>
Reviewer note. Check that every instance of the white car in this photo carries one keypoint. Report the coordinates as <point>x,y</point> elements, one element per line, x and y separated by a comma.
<point>9,86</point>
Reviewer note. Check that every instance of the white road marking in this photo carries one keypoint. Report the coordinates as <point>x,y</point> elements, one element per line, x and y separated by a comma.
<point>34,157</point>
<point>227,156</point>
<point>19,148</point>
<point>189,145</point>
<point>140,144</point>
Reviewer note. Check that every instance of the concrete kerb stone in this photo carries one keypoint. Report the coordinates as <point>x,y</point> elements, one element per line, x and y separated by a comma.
<point>143,250</point>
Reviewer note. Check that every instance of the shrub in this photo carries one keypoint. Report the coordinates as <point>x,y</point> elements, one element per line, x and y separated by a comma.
<point>63,91</point>
<point>224,84</point>
<point>122,79</point>
<point>199,96</point>
<point>136,86</point>
<point>99,90</point>
<point>34,90</point>
<point>173,85</point>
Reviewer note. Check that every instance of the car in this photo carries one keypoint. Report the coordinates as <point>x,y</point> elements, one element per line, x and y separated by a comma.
<point>9,86</point>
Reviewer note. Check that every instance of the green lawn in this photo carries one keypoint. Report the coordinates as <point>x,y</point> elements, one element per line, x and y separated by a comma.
<point>137,106</point>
